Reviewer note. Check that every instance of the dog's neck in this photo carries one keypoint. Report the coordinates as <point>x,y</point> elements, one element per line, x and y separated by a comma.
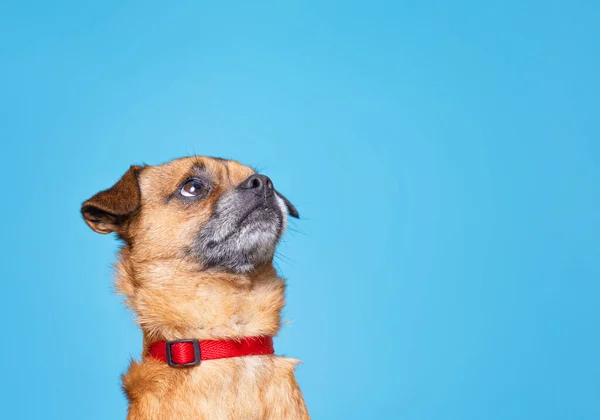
<point>174,300</point>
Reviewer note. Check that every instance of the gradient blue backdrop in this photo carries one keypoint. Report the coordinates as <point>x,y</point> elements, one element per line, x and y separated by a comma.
<point>444,157</point>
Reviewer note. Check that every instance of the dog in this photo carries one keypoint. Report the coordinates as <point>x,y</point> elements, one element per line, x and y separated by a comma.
<point>196,267</point>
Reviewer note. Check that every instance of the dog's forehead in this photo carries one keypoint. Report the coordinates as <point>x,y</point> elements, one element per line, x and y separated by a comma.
<point>168,176</point>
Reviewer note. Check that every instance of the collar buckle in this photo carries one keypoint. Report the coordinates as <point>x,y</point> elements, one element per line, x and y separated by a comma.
<point>196,346</point>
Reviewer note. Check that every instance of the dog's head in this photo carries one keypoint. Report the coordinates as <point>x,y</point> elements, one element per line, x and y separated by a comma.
<point>217,212</point>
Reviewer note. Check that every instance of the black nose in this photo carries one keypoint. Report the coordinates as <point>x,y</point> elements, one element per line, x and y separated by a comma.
<point>259,183</point>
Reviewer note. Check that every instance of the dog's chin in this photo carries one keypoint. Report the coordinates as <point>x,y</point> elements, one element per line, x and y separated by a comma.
<point>247,245</point>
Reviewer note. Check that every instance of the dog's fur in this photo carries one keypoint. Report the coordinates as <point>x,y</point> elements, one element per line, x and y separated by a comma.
<point>200,267</point>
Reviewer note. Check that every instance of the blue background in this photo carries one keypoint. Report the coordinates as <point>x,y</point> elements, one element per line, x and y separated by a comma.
<point>443,155</point>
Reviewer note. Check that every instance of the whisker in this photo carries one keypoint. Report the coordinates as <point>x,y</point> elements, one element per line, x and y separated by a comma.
<point>284,258</point>
<point>176,268</point>
<point>279,270</point>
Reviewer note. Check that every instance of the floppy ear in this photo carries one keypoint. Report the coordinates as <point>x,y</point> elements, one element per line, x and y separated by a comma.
<point>108,210</point>
<point>290,207</point>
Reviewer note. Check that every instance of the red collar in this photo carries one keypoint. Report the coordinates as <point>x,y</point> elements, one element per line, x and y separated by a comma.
<point>180,353</point>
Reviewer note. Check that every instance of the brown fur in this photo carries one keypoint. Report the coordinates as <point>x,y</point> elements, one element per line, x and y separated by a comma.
<point>175,299</point>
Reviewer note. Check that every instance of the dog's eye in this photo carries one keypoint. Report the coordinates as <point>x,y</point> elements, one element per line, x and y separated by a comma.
<point>192,188</point>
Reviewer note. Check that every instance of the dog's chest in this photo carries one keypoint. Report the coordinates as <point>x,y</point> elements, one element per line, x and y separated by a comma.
<point>252,387</point>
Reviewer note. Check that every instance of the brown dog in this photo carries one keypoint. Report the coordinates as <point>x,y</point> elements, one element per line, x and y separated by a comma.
<point>199,237</point>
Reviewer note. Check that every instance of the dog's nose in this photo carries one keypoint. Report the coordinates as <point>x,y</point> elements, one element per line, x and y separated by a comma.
<point>259,183</point>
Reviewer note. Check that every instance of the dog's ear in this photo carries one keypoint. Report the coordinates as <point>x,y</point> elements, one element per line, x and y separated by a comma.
<point>290,207</point>
<point>108,210</point>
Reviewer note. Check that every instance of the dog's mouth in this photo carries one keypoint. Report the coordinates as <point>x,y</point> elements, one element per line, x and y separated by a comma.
<point>252,220</point>
<point>248,214</point>
<point>266,211</point>
<point>242,233</point>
